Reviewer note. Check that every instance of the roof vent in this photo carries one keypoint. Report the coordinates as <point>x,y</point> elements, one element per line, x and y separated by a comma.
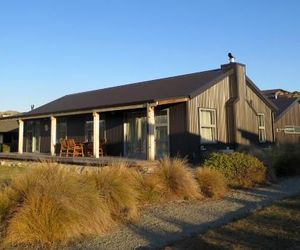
<point>32,107</point>
<point>231,58</point>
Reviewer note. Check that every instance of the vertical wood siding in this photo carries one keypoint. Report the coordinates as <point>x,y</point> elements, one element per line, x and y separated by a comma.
<point>247,108</point>
<point>213,98</point>
<point>178,130</point>
<point>237,122</point>
<point>114,133</point>
<point>291,117</point>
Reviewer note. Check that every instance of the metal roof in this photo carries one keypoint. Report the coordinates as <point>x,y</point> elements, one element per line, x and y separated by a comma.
<point>142,92</point>
<point>8,125</point>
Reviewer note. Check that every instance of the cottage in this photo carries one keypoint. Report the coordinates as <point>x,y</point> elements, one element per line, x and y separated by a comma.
<point>287,117</point>
<point>181,115</point>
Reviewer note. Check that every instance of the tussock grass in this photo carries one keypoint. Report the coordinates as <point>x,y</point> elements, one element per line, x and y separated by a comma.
<point>175,180</point>
<point>52,205</point>
<point>117,185</point>
<point>212,182</point>
<point>148,187</point>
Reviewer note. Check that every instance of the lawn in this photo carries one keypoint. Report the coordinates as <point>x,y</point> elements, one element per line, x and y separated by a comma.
<point>275,227</point>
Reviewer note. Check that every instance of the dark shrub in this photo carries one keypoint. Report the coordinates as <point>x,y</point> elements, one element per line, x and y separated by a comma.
<point>240,170</point>
<point>285,160</point>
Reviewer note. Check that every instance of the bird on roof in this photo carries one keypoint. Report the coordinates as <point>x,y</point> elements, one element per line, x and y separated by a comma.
<point>231,57</point>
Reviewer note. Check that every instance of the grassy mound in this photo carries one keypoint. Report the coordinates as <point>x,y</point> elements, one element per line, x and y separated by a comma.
<point>239,169</point>
<point>116,184</point>
<point>52,205</point>
<point>212,182</point>
<point>174,180</point>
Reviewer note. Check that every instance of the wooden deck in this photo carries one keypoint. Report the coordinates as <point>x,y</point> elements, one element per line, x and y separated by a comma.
<point>86,161</point>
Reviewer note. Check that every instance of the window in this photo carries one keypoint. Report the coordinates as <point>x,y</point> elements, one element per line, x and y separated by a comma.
<point>208,125</point>
<point>261,128</point>
<point>290,129</point>
<point>102,126</point>
<point>89,131</point>
<point>61,130</point>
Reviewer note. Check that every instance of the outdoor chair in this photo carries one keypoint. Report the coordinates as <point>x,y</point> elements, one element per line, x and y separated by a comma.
<point>63,147</point>
<point>88,149</point>
<point>74,149</point>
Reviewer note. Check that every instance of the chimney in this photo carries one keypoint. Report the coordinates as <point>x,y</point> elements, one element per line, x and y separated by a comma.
<point>32,107</point>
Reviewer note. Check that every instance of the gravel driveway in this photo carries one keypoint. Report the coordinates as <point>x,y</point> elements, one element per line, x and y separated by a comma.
<point>163,224</point>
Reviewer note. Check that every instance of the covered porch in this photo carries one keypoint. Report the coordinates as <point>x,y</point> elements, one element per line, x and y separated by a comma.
<point>138,132</point>
<point>83,161</point>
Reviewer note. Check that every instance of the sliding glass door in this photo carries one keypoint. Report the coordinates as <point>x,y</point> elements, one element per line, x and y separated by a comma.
<point>162,133</point>
<point>135,132</point>
<point>33,137</point>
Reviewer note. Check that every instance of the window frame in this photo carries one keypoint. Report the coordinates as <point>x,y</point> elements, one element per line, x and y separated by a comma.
<point>261,128</point>
<point>213,126</point>
<point>59,129</point>
<point>102,130</point>
<point>287,127</point>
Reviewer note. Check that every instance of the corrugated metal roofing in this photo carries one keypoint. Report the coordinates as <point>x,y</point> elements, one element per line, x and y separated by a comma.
<point>154,90</point>
<point>283,104</point>
<point>8,125</point>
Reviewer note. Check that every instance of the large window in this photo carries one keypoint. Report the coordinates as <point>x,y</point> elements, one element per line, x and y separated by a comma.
<point>89,131</point>
<point>61,130</point>
<point>161,133</point>
<point>208,125</point>
<point>261,128</point>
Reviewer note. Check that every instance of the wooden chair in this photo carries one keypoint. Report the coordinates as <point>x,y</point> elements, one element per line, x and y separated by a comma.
<point>74,149</point>
<point>63,147</point>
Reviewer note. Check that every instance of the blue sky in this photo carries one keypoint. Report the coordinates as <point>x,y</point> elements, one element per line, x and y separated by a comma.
<point>52,48</point>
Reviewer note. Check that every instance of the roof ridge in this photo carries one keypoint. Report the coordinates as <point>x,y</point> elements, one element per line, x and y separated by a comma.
<point>146,81</point>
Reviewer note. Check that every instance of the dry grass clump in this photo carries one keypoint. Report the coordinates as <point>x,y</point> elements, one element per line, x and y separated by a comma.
<point>148,187</point>
<point>212,182</point>
<point>116,184</point>
<point>52,205</point>
<point>174,180</point>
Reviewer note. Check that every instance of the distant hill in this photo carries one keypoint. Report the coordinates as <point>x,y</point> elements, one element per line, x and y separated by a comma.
<point>8,113</point>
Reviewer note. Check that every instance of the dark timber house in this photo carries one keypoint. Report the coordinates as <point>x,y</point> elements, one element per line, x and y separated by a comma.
<point>287,117</point>
<point>182,115</point>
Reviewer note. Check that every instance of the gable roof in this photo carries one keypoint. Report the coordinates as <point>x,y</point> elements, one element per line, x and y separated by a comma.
<point>183,86</point>
<point>8,125</point>
<point>260,93</point>
<point>284,104</point>
<point>273,91</point>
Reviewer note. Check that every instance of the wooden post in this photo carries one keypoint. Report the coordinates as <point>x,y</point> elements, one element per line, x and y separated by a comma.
<point>21,136</point>
<point>53,135</point>
<point>150,133</point>
<point>96,137</point>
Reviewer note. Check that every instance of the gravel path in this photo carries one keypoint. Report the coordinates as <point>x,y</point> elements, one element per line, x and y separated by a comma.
<point>161,225</point>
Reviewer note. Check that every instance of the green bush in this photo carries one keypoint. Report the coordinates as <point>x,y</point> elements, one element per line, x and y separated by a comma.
<point>239,169</point>
<point>285,160</point>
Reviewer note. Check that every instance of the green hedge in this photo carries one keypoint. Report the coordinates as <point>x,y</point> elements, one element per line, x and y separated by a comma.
<point>239,169</point>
